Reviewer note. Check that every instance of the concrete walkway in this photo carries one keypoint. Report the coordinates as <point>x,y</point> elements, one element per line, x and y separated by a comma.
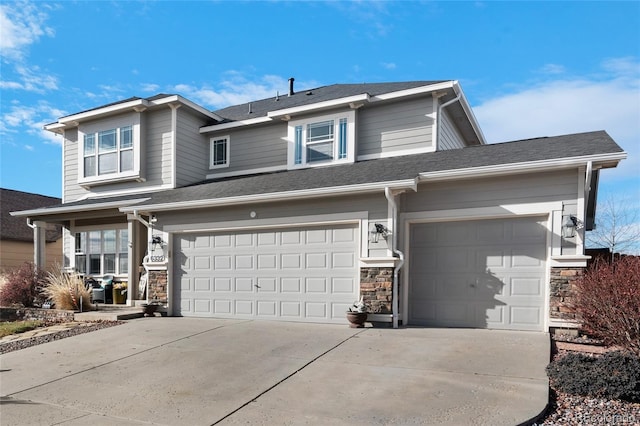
<point>181,371</point>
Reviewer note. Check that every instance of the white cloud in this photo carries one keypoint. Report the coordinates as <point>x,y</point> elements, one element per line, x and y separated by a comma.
<point>552,69</point>
<point>30,120</point>
<point>149,87</point>
<point>21,24</point>
<point>609,102</point>
<point>388,65</point>
<point>237,89</point>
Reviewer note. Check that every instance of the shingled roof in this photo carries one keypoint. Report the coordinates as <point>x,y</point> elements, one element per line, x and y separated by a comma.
<point>311,96</point>
<point>397,168</point>
<point>16,228</point>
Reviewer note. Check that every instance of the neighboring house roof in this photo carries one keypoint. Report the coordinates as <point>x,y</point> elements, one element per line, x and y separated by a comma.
<point>16,228</point>
<point>313,96</point>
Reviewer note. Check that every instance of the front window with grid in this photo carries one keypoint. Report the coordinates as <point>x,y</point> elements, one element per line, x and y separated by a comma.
<point>322,140</point>
<point>102,252</point>
<point>108,152</point>
<point>219,152</point>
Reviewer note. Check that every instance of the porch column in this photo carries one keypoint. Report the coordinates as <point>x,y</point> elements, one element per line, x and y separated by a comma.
<point>40,244</point>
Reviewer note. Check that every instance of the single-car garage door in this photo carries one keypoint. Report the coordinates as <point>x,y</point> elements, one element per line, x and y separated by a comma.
<point>297,274</point>
<point>482,273</point>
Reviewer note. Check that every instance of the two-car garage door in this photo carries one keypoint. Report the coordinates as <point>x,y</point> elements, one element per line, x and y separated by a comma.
<point>297,274</point>
<point>481,273</point>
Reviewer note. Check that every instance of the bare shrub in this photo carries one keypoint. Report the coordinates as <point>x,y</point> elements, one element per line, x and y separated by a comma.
<point>607,301</point>
<point>66,290</point>
<point>22,286</point>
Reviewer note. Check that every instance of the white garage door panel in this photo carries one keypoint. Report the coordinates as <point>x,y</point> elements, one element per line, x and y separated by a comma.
<point>291,274</point>
<point>484,273</point>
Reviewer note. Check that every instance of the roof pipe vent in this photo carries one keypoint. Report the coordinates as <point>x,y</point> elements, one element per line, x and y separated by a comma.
<point>291,86</point>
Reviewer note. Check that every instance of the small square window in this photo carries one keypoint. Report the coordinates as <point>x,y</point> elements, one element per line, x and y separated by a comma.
<point>219,155</point>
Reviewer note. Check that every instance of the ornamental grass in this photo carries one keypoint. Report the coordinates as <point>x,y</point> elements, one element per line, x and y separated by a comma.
<point>67,290</point>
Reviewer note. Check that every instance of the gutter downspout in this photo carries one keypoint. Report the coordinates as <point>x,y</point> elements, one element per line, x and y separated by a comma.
<point>394,243</point>
<point>440,108</point>
<point>587,186</point>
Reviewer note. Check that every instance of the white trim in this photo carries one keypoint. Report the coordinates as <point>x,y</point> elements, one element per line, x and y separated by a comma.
<point>279,222</point>
<point>318,106</point>
<point>234,124</point>
<point>174,143</point>
<point>378,262</point>
<point>398,153</point>
<point>247,172</point>
<point>275,196</point>
<point>522,167</point>
<point>129,191</point>
<point>569,261</point>
<point>138,105</point>
<point>76,208</point>
<point>227,152</point>
<point>414,91</point>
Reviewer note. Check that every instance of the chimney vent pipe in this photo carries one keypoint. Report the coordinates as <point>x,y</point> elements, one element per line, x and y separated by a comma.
<point>291,86</point>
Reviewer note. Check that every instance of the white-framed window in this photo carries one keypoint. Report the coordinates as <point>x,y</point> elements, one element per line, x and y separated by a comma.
<point>101,252</point>
<point>321,140</point>
<point>219,152</point>
<point>109,150</point>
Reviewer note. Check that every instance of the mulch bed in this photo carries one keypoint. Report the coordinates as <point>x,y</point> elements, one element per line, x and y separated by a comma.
<point>50,337</point>
<point>567,409</point>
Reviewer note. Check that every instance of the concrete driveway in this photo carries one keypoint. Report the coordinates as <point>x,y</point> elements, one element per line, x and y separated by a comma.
<point>183,371</point>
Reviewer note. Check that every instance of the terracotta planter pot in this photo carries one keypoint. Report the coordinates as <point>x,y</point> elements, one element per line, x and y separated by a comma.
<point>356,319</point>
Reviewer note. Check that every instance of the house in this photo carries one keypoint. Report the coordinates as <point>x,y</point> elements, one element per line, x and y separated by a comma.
<point>293,207</point>
<point>17,235</point>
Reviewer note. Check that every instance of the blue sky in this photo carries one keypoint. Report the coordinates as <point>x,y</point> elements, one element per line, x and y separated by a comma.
<point>529,69</point>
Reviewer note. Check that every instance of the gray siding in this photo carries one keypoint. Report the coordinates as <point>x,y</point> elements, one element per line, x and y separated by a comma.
<point>448,135</point>
<point>71,191</point>
<point>157,152</point>
<point>397,126</point>
<point>192,160</point>
<point>253,148</point>
<point>493,191</point>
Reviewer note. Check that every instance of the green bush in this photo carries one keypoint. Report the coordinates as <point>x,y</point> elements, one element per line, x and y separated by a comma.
<point>22,286</point>
<point>614,375</point>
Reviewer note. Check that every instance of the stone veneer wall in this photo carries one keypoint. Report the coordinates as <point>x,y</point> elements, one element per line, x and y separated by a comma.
<point>376,288</point>
<point>562,291</point>
<point>14,314</point>
<point>157,286</point>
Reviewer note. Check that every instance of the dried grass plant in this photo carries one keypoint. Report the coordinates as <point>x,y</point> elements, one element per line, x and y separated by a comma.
<point>67,290</point>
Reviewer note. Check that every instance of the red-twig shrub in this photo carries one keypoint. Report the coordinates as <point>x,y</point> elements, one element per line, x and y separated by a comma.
<point>22,286</point>
<point>607,301</point>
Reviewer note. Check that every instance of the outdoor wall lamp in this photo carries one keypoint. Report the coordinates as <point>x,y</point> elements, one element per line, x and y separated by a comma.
<point>378,230</point>
<point>570,224</point>
<point>156,250</point>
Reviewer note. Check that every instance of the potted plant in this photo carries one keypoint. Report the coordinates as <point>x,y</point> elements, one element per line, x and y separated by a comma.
<point>120,293</point>
<point>357,314</point>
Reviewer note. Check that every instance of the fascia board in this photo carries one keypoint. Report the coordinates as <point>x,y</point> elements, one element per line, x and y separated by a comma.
<point>275,196</point>
<point>470,115</point>
<point>234,124</point>
<point>102,111</point>
<point>318,106</point>
<point>74,209</point>
<point>415,91</point>
<point>184,101</point>
<point>522,167</point>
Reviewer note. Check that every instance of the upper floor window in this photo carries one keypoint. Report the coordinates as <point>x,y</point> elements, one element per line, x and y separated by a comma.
<point>108,151</point>
<point>322,140</point>
<point>219,152</point>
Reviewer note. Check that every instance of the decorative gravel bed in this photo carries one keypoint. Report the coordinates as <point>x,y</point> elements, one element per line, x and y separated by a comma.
<point>57,335</point>
<point>567,409</point>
